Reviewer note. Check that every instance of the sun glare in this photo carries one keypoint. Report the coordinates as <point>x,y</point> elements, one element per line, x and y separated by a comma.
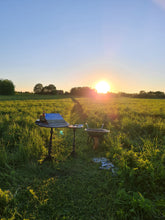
<point>102,87</point>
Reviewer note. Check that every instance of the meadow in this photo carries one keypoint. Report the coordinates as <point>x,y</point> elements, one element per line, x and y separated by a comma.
<point>75,187</point>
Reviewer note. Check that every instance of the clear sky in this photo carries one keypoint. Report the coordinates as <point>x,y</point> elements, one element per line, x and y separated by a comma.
<point>72,43</point>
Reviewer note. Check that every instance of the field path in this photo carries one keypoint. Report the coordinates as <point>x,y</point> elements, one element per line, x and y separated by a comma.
<point>77,113</point>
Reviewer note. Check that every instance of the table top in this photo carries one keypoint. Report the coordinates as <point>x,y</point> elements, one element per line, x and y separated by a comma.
<point>52,120</point>
<point>51,124</point>
<point>96,132</point>
<point>75,126</point>
<point>99,130</point>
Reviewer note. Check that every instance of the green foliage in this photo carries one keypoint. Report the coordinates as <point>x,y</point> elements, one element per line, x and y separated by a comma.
<point>5,198</point>
<point>39,89</point>
<point>136,145</point>
<point>6,87</point>
<point>75,188</point>
<point>151,94</point>
<point>82,91</point>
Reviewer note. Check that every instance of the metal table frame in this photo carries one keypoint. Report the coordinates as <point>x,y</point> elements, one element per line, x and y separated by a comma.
<point>51,126</point>
<point>74,127</point>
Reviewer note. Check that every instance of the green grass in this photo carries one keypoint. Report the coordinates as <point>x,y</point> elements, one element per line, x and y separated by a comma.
<point>75,187</point>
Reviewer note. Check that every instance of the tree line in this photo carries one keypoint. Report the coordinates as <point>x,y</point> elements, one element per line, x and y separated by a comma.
<point>7,88</point>
<point>51,89</point>
<point>144,94</point>
<point>86,91</point>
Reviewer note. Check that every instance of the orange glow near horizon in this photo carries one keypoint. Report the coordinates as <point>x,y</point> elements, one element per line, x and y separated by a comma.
<point>102,87</point>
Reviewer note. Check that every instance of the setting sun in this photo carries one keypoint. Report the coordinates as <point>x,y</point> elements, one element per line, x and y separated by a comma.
<point>102,87</point>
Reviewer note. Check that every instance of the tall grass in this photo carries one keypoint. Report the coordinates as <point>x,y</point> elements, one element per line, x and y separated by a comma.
<point>75,188</point>
<point>136,145</point>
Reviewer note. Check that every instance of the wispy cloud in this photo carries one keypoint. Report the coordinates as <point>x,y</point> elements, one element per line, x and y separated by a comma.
<point>160,3</point>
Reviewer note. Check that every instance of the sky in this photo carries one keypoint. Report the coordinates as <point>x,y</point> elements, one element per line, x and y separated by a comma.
<point>72,43</point>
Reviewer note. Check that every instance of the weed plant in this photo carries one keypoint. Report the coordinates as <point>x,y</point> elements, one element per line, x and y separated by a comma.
<point>74,187</point>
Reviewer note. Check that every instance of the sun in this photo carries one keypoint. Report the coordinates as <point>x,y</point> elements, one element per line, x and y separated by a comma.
<point>102,87</point>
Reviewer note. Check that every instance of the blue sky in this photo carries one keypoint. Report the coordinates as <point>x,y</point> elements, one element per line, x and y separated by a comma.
<point>72,43</point>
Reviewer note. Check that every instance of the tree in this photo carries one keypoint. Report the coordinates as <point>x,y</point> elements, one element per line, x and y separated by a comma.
<point>52,89</point>
<point>38,88</point>
<point>151,94</point>
<point>160,94</point>
<point>142,94</point>
<point>82,91</point>
<point>6,87</point>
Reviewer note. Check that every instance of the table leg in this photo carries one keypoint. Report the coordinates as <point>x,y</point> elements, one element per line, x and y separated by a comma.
<point>49,157</point>
<point>50,144</point>
<point>96,142</point>
<point>73,151</point>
